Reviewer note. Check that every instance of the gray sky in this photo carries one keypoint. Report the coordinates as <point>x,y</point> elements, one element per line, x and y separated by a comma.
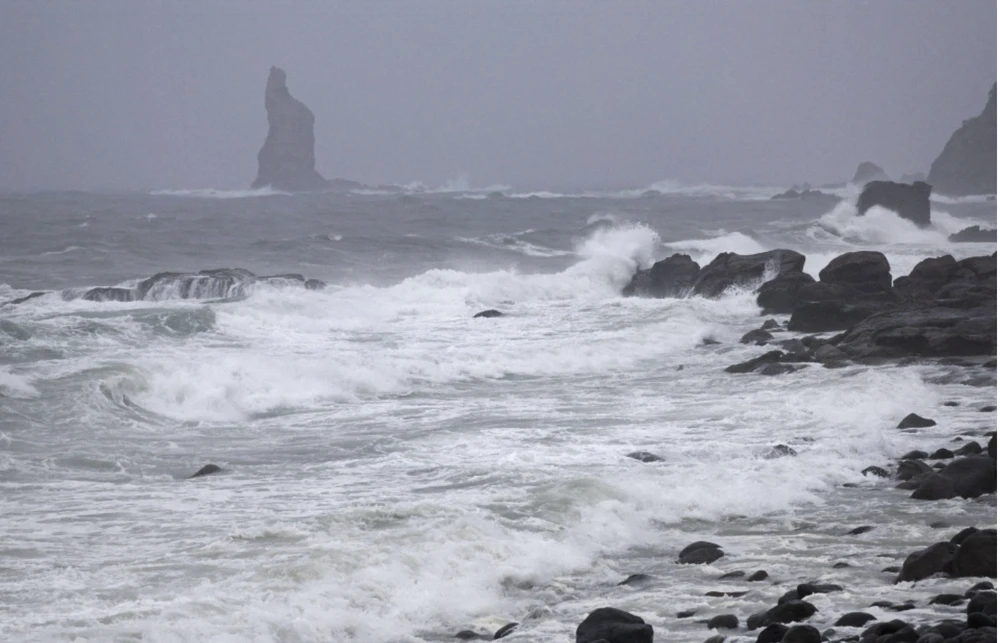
<point>144,94</point>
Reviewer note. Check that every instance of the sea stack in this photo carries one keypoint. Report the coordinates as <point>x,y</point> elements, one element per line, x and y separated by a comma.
<point>968,162</point>
<point>287,160</point>
<point>911,202</point>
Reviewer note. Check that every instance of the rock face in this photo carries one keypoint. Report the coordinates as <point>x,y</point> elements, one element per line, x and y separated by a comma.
<point>868,171</point>
<point>670,277</point>
<point>928,332</point>
<point>968,162</point>
<point>911,202</point>
<point>287,161</point>
<point>732,270</point>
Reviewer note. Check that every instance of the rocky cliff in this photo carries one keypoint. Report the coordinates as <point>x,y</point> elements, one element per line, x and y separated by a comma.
<point>968,162</point>
<point>287,160</point>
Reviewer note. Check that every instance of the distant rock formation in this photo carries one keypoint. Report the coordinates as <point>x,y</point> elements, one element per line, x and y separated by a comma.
<point>806,193</point>
<point>974,234</point>
<point>867,172</point>
<point>913,177</point>
<point>287,160</point>
<point>968,162</point>
<point>911,202</point>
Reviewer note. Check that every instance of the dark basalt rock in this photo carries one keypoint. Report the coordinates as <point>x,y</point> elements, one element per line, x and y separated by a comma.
<point>504,631</point>
<point>864,271</point>
<point>733,270</point>
<point>758,575</point>
<point>287,160</point>
<point>911,202</point>
<point>670,277</point>
<point>687,613</point>
<point>914,421</point>
<point>968,162</point>
<point>988,409</point>
<point>972,476</point>
<point>781,294</point>
<point>777,369</point>
<point>929,332</point>
<point>785,613</point>
<point>700,553</point>
<point>841,565</point>
<point>644,456</point>
<point>802,634</point>
<point>792,193</point>
<point>749,366</point>
<point>469,635</point>
<point>854,619</point>
<point>614,626</point>
<point>974,234</point>
<point>914,455</point>
<point>488,314</point>
<point>21,300</point>
<point>927,562</point>
<point>935,487</point>
<point>207,470</point>
<point>826,316</point>
<point>724,622</point>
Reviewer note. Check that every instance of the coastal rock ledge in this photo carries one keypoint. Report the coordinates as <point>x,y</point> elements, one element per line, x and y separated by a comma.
<point>287,160</point>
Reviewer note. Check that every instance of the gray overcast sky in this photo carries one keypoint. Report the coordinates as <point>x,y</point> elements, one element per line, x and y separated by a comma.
<point>144,94</point>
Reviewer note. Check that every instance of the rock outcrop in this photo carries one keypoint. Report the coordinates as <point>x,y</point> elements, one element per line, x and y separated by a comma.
<point>805,193</point>
<point>968,162</point>
<point>974,234</point>
<point>670,277</point>
<point>868,171</point>
<point>287,160</point>
<point>730,270</point>
<point>911,202</point>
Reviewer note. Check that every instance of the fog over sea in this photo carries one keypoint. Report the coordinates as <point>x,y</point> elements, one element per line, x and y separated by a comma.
<point>395,470</point>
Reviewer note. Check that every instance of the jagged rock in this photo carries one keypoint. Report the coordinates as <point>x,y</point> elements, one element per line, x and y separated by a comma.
<point>968,162</point>
<point>868,171</point>
<point>912,469</point>
<point>614,626</point>
<point>670,277</point>
<point>287,160</point>
<point>780,451</point>
<point>109,294</point>
<point>781,294</point>
<point>974,234</point>
<point>878,472</point>
<point>865,271</point>
<point>929,332</point>
<point>910,202</point>
<point>733,270</point>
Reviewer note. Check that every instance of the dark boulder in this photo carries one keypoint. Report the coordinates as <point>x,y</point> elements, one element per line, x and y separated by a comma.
<point>968,162</point>
<point>878,472</point>
<point>865,271</point>
<point>758,575</point>
<point>864,529</point>
<point>736,574</point>
<point>637,579</point>
<point>785,613</point>
<point>969,448</point>
<point>724,622</point>
<point>947,599</point>
<point>700,553</point>
<point>991,448</point>
<point>974,234</point>
<point>972,476</point>
<point>207,470</point>
<point>21,300</point>
<point>759,337</point>
<point>802,634</point>
<point>914,421</point>
<point>670,277</point>
<point>977,555</point>
<point>826,316</point>
<point>749,366</point>
<point>942,454</point>
<point>928,332</point>
<point>780,451</point>
<point>644,456</point>
<point>935,487</point>
<point>929,561</point>
<point>781,294</point>
<point>729,270</point>
<point>773,633</point>
<point>614,626</point>
<point>912,469</point>
<point>792,193</point>
<point>488,313</point>
<point>504,631</point>
<point>911,202</point>
<point>854,619</point>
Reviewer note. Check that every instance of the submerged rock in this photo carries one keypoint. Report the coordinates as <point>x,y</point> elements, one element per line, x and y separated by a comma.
<point>207,470</point>
<point>287,160</point>
<point>911,202</point>
<point>488,313</point>
<point>968,162</point>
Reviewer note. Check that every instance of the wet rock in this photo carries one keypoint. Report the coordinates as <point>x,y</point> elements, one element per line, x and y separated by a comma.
<point>644,456</point>
<point>914,455</point>
<point>828,354</point>
<point>777,369</point>
<point>988,409</point>
<point>109,294</point>
<point>637,580</point>
<point>469,635</point>
<point>700,553</point>
<point>942,454</point>
<point>736,574</point>
<point>914,421</point>
<point>780,451</point>
<point>771,324</point>
<point>758,575</point>
<point>749,366</point>
<point>947,599</point>
<point>891,569</point>
<point>901,607</point>
<point>977,555</point>
<point>991,448</point>
<point>802,634</point>
<point>864,271</point>
<point>718,638</point>
<point>504,631</point>
<point>759,337</point>
<point>614,626</point>
<point>781,294</point>
<point>687,613</point>
<point>808,589</point>
<point>773,633</point>
<point>730,270</point>
<point>939,524</point>
<point>974,234</point>
<point>207,470</point>
<point>972,476</point>
<point>912,470</point>
<point>825,316</point>
<point>488,314</point>
<point>841,565</point>
<point>670,277</point>
<point>854,619</point>
<point>969,448</point>
<point>21,300</point>
<point>784,613</point>
<point>936,331</point>
<point>878,472</point>
<point>927,562</point>
<point>724,622</point>
<point>860,530</point>
<point>911,202</point>
<point>935,487</point>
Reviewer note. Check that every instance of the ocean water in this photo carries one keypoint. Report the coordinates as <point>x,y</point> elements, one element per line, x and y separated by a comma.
<point>395,470</point>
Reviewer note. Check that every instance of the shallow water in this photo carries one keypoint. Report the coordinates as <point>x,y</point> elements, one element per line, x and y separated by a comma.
<point>396,470</point>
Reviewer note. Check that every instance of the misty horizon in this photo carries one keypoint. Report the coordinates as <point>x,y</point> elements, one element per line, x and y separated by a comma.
<point>118,96</point>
